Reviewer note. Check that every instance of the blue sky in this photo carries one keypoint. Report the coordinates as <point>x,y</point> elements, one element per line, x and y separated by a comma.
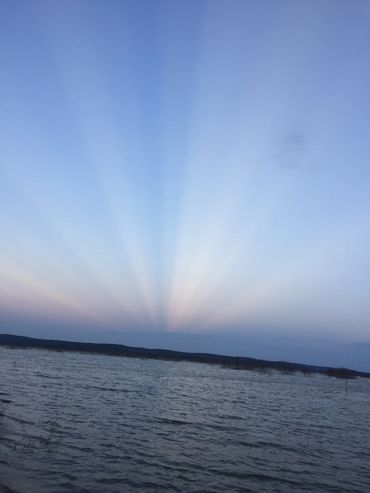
<point>185,167</point>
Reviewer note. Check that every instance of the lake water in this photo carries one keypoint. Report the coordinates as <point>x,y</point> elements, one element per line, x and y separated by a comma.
<point>92,423</point>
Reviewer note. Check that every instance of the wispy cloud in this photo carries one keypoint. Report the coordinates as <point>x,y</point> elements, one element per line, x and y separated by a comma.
<point>292,152</point>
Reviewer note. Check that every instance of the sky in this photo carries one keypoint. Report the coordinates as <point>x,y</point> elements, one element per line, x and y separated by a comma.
<point>186,168</point>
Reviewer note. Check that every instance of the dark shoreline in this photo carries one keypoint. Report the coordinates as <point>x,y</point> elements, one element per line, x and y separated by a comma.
<point>234,362</point>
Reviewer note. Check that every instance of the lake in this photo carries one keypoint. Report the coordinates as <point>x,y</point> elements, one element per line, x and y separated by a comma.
<point>93,423</point>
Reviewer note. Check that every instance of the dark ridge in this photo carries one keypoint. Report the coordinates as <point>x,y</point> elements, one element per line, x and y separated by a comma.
<point>5,489</point>
<point>237,363</point>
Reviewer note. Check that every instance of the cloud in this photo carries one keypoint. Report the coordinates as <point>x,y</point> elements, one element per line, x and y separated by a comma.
<point>292,152</point>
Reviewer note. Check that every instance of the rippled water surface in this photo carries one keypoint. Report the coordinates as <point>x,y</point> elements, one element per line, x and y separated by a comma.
<point>89,423</point>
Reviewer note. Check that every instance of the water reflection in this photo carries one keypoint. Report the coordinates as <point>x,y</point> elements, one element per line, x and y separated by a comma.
<point>85,423</point>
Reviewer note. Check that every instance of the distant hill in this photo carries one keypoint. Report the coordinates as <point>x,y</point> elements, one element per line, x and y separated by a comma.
<point>238,363</point>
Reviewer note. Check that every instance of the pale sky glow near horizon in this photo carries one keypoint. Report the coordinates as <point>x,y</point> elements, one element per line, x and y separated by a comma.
<point>196,167</point>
